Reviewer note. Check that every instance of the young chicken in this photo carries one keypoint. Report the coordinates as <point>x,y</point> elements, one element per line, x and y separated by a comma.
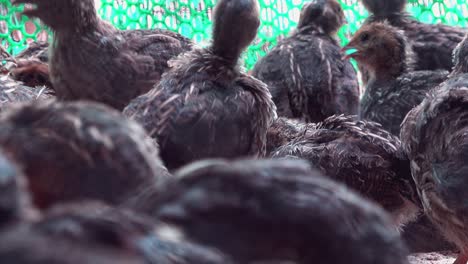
<point>270,210</point>
<point>359,154</point>
<point>96,223</point>
<point>305,72</point>
<point>71,151</point>
<point>204,107</point>
<point>92,60</point>
<point>394,88</point>
<point>435,138</point>
<point>433,44</point>
<point>92,232</point>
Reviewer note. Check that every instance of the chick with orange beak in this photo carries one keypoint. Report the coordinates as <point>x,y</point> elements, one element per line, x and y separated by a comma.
<point>394,88</point>
<point>434,136</point>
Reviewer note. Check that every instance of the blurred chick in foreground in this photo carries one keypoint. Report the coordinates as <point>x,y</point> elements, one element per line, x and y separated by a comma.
<point>435,138</point>
<point>15,202</point>
<point>359,154</point>
<point>270,210</point>
<point>205,106</point>
<point>92,232</point>
<point>81,150</point>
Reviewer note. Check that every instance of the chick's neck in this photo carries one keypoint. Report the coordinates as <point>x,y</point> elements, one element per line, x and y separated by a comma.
<point>79,21</point>
<point>388,69</point>
<point>89,30</point>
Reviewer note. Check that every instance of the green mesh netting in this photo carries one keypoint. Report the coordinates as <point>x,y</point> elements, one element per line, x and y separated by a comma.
<point>192,19</point>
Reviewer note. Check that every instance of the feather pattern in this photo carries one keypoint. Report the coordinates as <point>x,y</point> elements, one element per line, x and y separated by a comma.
<point>204,106</point>
<point>358,153</point>
<point>217,100</point>
<point>305,72</point>
<point>388,102</point>
<point>94,148</point>
<point>277,206</point>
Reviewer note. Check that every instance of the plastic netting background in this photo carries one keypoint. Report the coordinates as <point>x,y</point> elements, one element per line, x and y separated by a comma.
<point>192,18</point>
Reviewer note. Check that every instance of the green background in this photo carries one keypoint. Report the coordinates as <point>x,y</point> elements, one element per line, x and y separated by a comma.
<point>192,18</point>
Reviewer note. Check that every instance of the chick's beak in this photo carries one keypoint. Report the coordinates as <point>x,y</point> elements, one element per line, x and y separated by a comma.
<point>349,51</point>
<point>30,8</point>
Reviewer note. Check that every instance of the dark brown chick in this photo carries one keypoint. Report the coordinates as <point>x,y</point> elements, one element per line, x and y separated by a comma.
<point>394,88</point>
<point>204,106</point>
<point>71,151</point>
<point>98,225</point>
<point>92,60</point>
<point>91,232</point>
<point>432,43</point>
<point>435,138</point>
<point>24,244</point>
<point>367,159</point>
<point>12,92</point>
<point>305,72</point>
<point>31,66</point>
<point>262,211</point>
<point>359,154</point>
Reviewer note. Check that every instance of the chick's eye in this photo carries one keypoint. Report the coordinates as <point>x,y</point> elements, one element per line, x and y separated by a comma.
<point>364,37</point>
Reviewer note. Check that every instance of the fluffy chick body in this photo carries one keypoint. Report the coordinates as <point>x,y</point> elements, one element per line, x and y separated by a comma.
<point>305,72</point>
<point>204,106</point>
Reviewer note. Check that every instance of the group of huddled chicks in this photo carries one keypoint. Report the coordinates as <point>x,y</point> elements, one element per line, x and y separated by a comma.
<point>140,147</point>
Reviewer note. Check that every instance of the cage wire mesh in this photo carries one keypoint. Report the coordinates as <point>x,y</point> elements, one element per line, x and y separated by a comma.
<point>192,18</point>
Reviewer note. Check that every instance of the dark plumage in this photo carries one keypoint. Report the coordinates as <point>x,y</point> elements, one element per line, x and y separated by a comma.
<point>394,88</point>
<point>72,151</point>
<point>25,244</point>
<point>357,153</point>
<point>434,136</point>
<point>90,59</point>
<point>433,44</point>
<point>360,154</point>
<point>31,66</point>
<point>99,233</point>
<point>423,236</point>
<point>305,72</point>
<point>96,223</point>
<point>15,203</point>
<point>12,91</point>
<point>204,107</point>
<point>270,210</point>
